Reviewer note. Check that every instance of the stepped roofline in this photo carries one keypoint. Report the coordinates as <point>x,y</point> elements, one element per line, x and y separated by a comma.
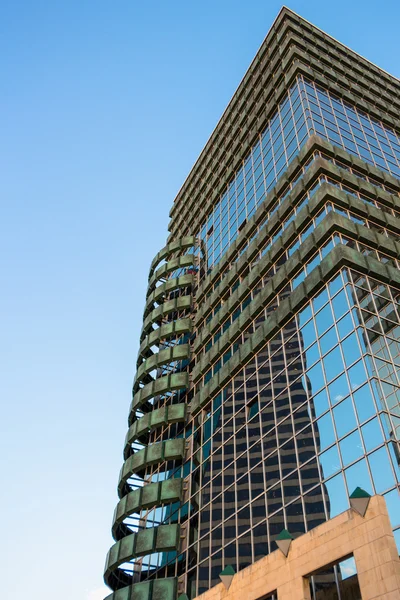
<point>292,45</point>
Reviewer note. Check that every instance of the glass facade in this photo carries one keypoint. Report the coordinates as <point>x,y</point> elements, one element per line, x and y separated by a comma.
<point>352,129</point>
<point>268,382</point>
<point>309,420</point>
<point>277,146</point>
<point>307,110</point>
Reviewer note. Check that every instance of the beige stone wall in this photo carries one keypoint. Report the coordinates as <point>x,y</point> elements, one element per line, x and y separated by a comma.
<point>369,538</point>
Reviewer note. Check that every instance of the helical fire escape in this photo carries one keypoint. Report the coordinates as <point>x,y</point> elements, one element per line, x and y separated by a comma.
<point>159,405</point>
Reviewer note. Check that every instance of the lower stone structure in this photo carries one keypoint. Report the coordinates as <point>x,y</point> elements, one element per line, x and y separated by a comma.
<point>369,539</point>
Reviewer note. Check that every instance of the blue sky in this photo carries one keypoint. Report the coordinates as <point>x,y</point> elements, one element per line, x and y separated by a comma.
<point>104,108</point>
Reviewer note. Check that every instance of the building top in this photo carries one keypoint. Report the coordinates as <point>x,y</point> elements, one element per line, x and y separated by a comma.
<point>292,46</point>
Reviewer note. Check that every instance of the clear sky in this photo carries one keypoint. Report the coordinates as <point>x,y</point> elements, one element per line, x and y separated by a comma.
<point>104,108</point>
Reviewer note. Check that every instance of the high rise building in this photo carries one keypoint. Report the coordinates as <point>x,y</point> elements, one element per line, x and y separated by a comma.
<point>268,375</point>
